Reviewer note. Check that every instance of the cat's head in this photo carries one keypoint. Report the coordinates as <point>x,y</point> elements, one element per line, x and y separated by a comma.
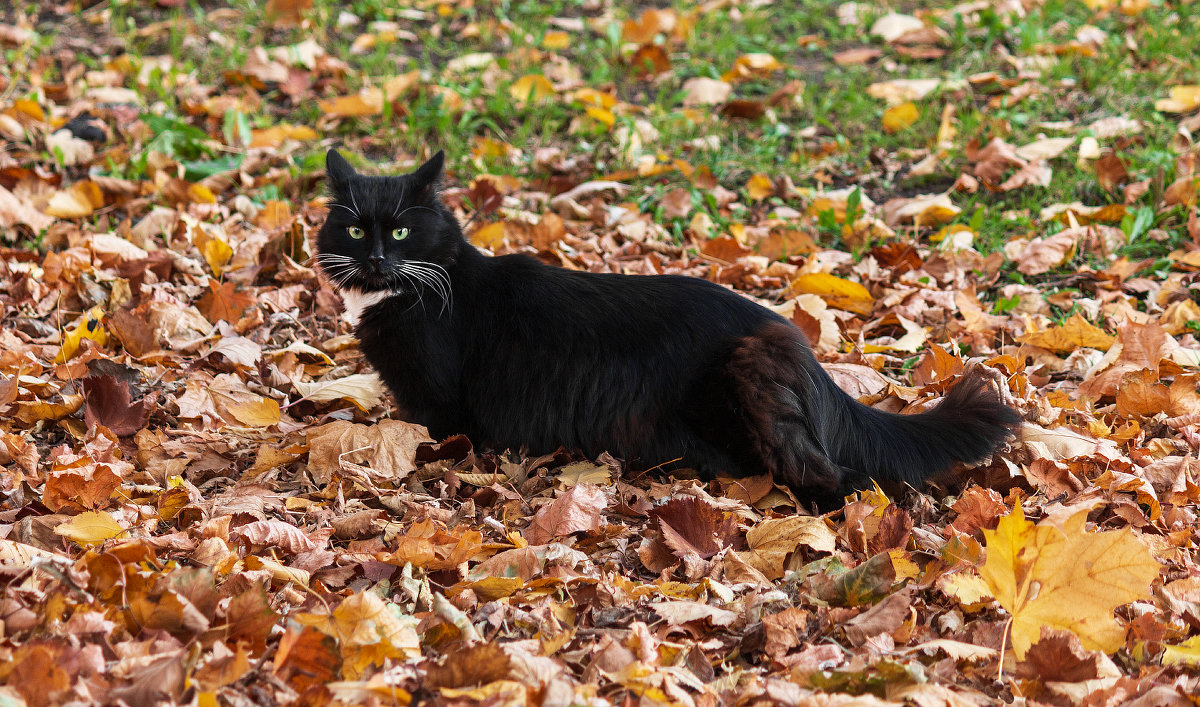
<point>383,232</point>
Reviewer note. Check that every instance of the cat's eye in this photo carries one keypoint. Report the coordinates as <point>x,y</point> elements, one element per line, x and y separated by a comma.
<point>355,232</point>
<point>400,234</point>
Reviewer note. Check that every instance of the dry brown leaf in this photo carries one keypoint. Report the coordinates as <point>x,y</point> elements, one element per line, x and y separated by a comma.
<point>577,510</point>
<point>389,447</point>
<point>772,541</point>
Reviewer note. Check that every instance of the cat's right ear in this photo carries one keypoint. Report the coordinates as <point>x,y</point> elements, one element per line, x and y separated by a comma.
<point>338,169</point>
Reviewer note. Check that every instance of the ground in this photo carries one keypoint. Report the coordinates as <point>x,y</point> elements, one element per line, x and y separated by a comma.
<point>209,498</point>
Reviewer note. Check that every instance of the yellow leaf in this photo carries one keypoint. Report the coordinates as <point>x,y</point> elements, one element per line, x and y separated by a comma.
<point>216,251</point>
<point>590,96</point>
<point>366,102</point>
<point>398,86</point>
<point>584,473</point>
<point>531,87</point>
<point>923,210</point>
<point>493,588</point>
<point>760,187</point>
<point>602,115</point>
<point>838,293</point>
<point>490,236</point>
<point>511,692</point>
<point>1186,653</point>
<point>91,326</point>
<point>967,588</point>
<point>263,412</point>
<point>82,199</point>
<point>275,135</point>
<point>30,108</point>
<point>749,66</point>
<point>1184,99</point>
<point>200,194</point>
<point>30,411</point>
<point>484,147</point>
<point>1072,334</point>
<point>900,117</point>
<point>946,130</point>
<point>904,566</point>
<point>556,40</point>
<point>90,528</point>
<point>368,630</point>
<point>1065,578</point>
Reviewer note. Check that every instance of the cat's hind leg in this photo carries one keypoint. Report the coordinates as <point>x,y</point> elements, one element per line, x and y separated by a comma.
<point>779,404</point>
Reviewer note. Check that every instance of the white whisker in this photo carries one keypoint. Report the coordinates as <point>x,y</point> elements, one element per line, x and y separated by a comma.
<point>399,201</point>
<point>432,211</point>
<point>433,276</point>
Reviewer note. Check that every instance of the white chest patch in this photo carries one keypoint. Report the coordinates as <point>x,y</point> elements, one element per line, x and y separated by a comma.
<point>357,302</point>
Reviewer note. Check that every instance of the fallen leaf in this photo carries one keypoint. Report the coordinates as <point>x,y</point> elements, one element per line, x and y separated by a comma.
<point>898,91</point>
<point>389,447</point>
<point>531,88</point>
<point>365,390</point>
<point>1065,578</point>
<point>900,117</point>
<point>224,302</point>
<point>771,542</point>
<point>1184,99</point>
<point>275,135</point>
<point>749,66</point>
<point>1045,149</point>
<point>1076,332</point>
<point>577,510</point>
<point>80,200</point>
<point>107,402</point>
<point>838,293</point>
<point>365,103</point>
<point>90,326</point>
<point>90,528</point>
<point>689,525</point>
<point>759,187</point>
<point>14,210</point>
<point>894,25</point>
<point>1044,254</point>
<point>703,91</point>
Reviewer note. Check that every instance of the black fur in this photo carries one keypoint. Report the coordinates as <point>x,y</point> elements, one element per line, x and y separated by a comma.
<point>649,368</point>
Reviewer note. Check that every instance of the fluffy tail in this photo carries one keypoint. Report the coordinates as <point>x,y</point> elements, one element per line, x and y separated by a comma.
<point>823,443</point>
<point>967,426</point>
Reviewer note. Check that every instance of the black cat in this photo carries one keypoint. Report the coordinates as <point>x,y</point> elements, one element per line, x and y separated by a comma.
<point>652,369</point>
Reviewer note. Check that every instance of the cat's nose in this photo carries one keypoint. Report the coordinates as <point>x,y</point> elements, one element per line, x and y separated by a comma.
<point>376,261</point>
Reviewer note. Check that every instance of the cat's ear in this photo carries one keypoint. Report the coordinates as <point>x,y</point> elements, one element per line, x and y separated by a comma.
<point>338,169</point>
<point>428,176</point>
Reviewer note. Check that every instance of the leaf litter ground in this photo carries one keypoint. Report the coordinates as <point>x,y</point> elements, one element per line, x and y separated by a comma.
<point>206,496</point>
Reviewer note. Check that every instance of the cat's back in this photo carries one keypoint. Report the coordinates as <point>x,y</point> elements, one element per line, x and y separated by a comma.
<point>528,285</point>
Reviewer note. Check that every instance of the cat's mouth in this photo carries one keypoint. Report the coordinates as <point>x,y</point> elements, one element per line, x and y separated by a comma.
<point>371,282</point>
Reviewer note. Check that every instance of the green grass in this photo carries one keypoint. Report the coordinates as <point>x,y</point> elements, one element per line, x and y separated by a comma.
<point>1075,87</point>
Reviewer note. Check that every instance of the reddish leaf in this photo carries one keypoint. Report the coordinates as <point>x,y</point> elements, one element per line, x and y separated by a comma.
<point>107,402</point>
<point>224,302</point>
<point>689,525</point>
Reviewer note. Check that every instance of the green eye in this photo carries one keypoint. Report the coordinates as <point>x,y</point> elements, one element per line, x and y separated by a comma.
<point>355,232</point>
<point>400,234</point>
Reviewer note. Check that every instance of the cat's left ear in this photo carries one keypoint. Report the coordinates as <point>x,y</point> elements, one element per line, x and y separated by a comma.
<point>338,169</point>
<point>428,176</point>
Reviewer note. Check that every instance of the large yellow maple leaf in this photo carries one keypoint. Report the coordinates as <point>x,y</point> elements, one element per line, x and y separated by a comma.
<point>1065,578</point>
